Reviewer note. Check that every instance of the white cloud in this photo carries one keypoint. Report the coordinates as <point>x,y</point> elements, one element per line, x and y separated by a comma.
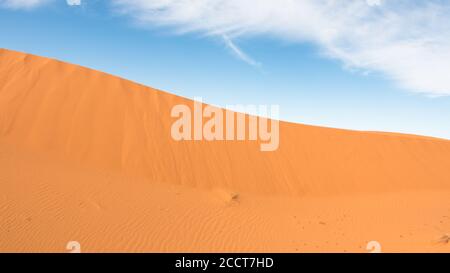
<point>73,2</point>
<point>28,4</point>
<point>373,2</point>
<point>21,4</point>
<point>238,52</point>
<point>408,41</point>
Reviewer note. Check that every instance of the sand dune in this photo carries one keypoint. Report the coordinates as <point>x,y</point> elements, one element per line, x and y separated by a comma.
<point>88,157</point>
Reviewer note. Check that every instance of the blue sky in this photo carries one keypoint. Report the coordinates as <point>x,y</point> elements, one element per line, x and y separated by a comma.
<point>316,77</point>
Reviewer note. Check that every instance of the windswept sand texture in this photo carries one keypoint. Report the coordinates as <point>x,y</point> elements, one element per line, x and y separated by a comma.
<point>88,157</point>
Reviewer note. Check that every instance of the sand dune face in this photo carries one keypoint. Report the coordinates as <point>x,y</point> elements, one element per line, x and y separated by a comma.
<point>89,157</point>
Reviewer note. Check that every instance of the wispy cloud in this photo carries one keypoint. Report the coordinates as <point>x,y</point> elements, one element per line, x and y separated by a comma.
<point>73,2</point>
<point>239,53</point>
<point>22,4</point>
<point>408,41</point>
<point>29,4</point>
<point>373,2</point>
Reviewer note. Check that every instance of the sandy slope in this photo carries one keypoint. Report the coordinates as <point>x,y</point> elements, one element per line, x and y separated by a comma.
<point>87,156</point>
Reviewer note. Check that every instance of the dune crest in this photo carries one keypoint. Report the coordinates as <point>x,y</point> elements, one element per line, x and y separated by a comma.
<point>90,156</point>
<point>108,122</point>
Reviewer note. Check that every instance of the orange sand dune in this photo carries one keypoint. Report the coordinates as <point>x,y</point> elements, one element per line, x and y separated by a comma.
<point>88,157</point>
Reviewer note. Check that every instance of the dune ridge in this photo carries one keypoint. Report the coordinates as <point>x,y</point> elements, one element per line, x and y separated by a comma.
<point>88,155</point>
<point>112,123</point>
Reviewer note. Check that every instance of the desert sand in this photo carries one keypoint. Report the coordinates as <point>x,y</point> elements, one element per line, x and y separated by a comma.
<point>88,157</point>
